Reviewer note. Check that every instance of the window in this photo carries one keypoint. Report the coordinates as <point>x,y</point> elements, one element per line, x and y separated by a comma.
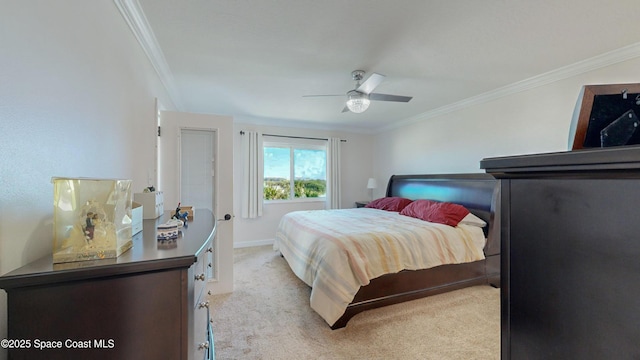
<point>294,171</point>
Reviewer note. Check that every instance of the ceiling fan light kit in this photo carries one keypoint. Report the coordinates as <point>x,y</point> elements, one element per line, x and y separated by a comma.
<point>357,102</point>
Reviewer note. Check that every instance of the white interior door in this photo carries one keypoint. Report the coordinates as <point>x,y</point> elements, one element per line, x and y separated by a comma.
<point>197,168</point>
<point>221,181</point>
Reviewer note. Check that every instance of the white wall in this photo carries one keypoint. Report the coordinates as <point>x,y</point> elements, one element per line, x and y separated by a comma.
<point>77,98</point>
<point>532,121</point>
<point>356,168</point>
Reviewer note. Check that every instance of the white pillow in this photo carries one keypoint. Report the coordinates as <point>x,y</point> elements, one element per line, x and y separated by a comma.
<point>471,219</point>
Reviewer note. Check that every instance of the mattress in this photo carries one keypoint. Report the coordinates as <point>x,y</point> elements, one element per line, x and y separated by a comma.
<point>338,251</point>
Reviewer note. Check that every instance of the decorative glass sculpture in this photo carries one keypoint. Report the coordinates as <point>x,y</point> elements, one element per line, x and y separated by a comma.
<point>91,218</point>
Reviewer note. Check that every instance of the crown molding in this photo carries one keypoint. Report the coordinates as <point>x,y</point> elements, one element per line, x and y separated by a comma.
<point>137,21</point>
<point>580,67</point>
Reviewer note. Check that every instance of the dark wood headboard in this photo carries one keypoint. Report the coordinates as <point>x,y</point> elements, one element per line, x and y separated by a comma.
<point>477,192</point>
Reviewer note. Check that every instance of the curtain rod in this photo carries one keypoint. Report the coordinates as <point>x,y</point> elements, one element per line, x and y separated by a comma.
<point>293,137</point>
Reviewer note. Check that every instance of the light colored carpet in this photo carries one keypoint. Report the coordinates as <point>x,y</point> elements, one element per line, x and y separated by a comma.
<point>268,317</point>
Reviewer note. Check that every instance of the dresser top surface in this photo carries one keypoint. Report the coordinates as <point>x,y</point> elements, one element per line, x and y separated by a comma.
<point>613,158</point>
<point>146,254</point>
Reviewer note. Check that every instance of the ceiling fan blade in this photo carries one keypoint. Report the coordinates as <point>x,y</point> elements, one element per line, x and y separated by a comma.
<point>387,97</point>
<point>371,83</point>
<point>346,109</point>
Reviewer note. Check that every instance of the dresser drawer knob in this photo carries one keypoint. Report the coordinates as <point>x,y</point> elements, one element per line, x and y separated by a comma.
<point>204,345</point>
<point>200,277</point>
<point>204,304</point>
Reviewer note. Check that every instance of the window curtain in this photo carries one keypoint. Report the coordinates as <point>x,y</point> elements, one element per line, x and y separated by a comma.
<point>333,173</point>
<point>253,176</point>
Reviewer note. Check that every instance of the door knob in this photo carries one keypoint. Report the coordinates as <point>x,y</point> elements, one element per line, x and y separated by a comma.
<point>227,217</point>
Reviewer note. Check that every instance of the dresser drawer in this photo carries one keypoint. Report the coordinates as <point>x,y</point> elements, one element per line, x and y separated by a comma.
<point>200,276</point>
<point>201,342</point>
<point>209,262</point>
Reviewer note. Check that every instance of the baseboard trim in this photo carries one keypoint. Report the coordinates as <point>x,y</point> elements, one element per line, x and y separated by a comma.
<point>244,244</point>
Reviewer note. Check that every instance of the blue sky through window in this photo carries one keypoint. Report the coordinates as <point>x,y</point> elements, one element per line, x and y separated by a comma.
<point>308,164</point>
<point>276,162</point>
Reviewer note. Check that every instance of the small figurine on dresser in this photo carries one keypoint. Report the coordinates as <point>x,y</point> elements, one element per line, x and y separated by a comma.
<point>179,215</point>
<point>90,227</point>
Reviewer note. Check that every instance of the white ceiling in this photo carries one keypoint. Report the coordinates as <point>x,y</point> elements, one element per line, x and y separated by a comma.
<point>257,58</point>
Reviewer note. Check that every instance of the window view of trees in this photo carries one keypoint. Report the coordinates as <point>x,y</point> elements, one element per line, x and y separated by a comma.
<point>309,173</point>
<point>280,189</point>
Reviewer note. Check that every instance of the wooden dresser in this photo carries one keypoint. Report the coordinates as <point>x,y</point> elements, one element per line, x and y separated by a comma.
<point>146,304</point>
<point>570,286</point>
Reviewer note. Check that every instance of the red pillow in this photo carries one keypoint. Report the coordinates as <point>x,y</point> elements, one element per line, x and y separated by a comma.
<point>436,212</point>
<point>389,203</point>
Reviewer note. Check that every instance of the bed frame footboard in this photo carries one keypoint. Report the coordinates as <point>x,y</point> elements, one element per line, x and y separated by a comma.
<point>411,285</point>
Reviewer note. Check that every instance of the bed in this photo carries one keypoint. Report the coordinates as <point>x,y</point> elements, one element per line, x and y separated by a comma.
<point>344,281</point>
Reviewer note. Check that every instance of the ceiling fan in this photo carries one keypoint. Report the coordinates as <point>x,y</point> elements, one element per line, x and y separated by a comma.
<point>358,99</point>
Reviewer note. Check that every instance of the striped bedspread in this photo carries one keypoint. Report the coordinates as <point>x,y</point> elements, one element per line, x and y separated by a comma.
<point>338,251</point>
